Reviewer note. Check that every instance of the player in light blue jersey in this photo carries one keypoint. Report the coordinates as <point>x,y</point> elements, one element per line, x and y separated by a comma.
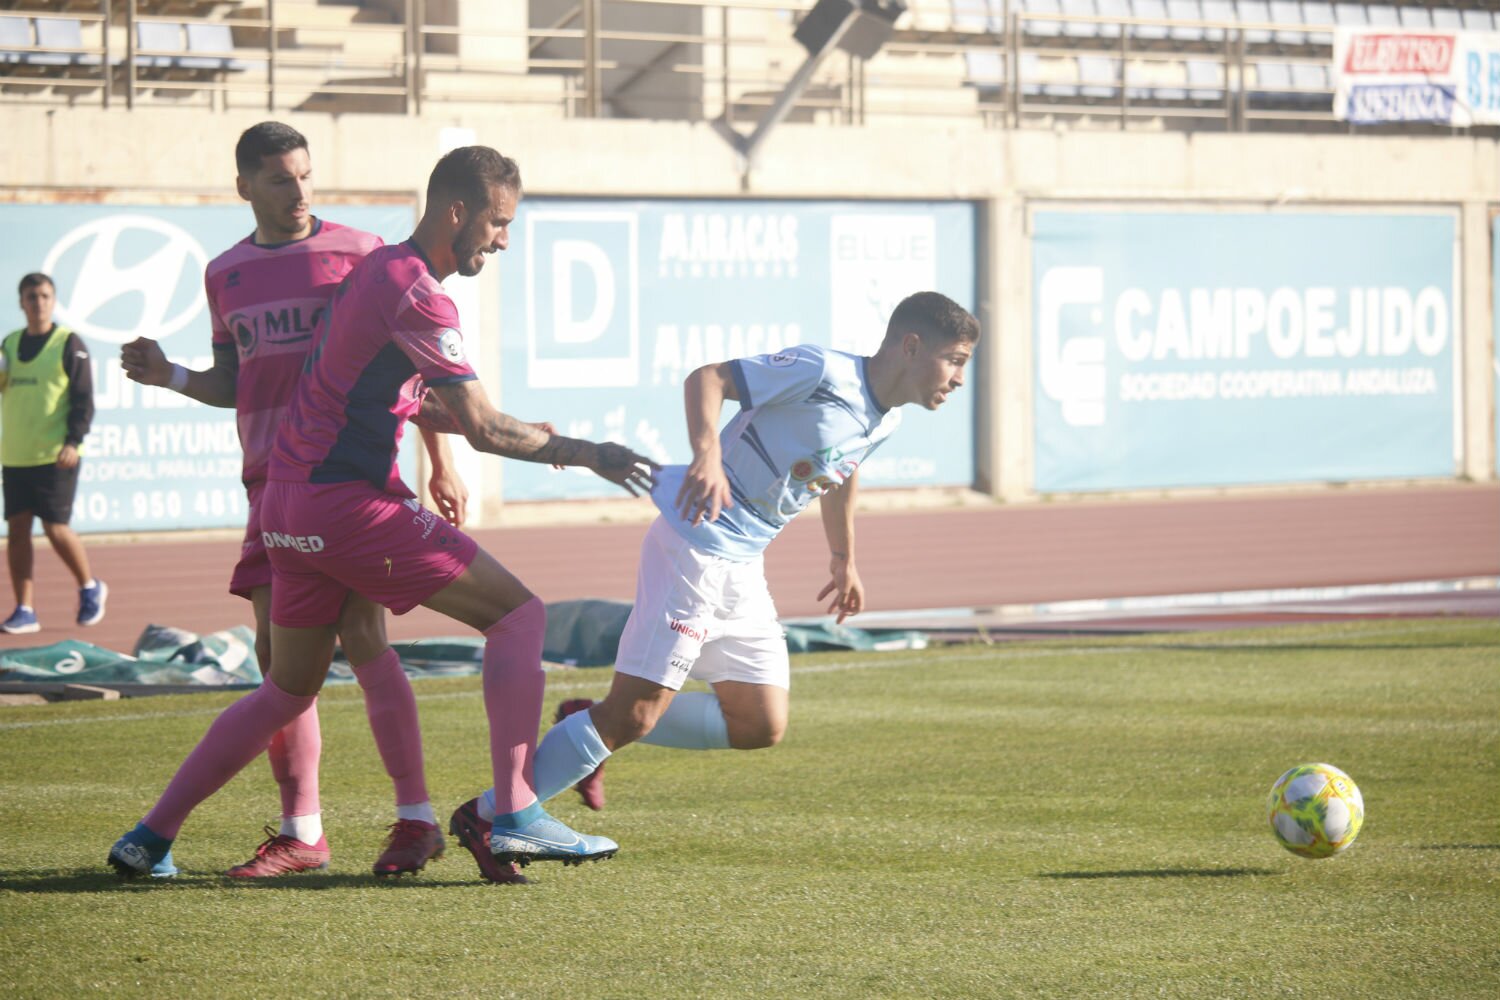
<point>809,417</point>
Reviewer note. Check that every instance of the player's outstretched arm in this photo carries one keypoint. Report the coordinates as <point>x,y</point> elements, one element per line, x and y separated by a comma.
<point>145,363</point>
<point>446,486</point>
<point>434,416</point>
<point>844,585</point>
<point>705,488</point>
<point>489,430</point>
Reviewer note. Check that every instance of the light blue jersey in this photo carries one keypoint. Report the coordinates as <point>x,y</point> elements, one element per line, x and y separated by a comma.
<point>807,421</point>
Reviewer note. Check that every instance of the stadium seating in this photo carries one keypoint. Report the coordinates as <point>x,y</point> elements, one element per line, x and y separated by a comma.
<point>1218,10</point>
<point>1447,19</point>
<point>212,47</point>
<point>978,16</point>
<point>1414,17</point>
<point>1350,15</point>
<point>1080,29</point>
<point>1251,12</point>
<point>197,47</point>
<point>1182,54</point>
<point>16,39</point>
<point>1099,78</point>
<point>1205,80</point>
<point>21,37</point>
<point>1038,28</point>
<point>158,39</point>
<point>1110,8</point>
<point>1031,74</point>
<point>1287,12</point>
<point>1149,9</point>
<point>64,33</point>
<point>1188,12</point>
<point>1479,20</point>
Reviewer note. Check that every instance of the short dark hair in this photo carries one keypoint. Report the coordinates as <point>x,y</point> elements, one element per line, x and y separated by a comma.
<point>934,317</point>
<point>467,173</point>
<point>32,280</point>
<point>265,139</point>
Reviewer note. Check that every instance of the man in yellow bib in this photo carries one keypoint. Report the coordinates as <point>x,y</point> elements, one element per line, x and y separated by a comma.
<point>45,412</point>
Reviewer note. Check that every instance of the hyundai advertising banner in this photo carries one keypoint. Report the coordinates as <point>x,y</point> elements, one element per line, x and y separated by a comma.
<point>1209,349</point>
<point>154,460</point>
<point>607,305</point>
<point>1444,77</point>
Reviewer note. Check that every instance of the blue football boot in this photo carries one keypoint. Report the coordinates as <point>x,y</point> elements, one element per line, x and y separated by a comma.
<point>141,852</point>
<point>532,835</point>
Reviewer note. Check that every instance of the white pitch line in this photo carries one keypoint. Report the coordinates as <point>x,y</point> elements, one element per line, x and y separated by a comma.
<point>990,653</point>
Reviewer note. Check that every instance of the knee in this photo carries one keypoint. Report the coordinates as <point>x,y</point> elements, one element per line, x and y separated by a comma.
<point>621,724</point>
<point>755,734</point>
<point>362,636</point>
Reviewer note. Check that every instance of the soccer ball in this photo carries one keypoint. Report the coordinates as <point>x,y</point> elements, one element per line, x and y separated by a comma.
<point>1315,810</point>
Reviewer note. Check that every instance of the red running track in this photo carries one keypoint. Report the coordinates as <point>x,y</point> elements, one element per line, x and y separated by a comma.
<point>959,557</point>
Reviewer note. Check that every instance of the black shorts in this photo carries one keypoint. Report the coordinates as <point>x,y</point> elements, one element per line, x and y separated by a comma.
<point>45,490</point>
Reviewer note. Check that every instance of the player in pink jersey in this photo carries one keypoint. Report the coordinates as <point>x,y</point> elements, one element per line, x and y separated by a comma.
<point>267,295</point>
<point>338,520</point>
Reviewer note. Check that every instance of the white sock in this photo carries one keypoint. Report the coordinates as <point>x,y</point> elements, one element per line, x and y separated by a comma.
<point>308,829</point>
<point>419,810</point>
<point>694,721</point>
<point>567,754</point>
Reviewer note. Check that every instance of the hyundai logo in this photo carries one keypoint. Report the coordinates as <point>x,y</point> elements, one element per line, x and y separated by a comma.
<point>125,255</point>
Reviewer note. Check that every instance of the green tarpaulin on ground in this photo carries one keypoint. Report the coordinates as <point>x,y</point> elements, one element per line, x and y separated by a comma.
<point>579,634</point>
<point>162,656</point>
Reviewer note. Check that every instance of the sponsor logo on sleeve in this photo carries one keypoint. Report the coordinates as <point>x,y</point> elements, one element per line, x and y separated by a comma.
<point>451,343</point>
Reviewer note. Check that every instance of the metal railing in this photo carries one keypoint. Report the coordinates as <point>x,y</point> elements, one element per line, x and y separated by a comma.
<point>688,59</point>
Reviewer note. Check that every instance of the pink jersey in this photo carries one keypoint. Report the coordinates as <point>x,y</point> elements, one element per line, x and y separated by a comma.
<point>391,330</point>
<point>266,302</point>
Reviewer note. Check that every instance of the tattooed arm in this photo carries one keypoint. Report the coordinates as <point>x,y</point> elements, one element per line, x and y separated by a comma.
<point>487,429</point>
<point>435,417</point>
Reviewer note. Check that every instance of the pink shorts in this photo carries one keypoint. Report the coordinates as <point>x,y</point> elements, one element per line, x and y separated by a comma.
<point>254,568</point>
<point>327,540</point>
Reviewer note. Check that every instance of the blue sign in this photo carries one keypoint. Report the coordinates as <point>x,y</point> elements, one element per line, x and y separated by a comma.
<point>1207,349</point>
<point>1400,102</point>
<point>154,460</point>
<point>607,305</point>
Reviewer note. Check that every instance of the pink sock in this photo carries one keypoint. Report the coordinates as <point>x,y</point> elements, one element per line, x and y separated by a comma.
<point>513,688</point>
<point>239,735</point>
<point>392,710</point>
<point>294,754</point>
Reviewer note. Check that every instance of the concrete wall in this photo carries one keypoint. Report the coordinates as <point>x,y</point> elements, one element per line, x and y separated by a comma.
<point>172,152</point>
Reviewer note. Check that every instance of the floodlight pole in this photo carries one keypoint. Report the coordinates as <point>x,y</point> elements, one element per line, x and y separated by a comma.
<point>746,146</point>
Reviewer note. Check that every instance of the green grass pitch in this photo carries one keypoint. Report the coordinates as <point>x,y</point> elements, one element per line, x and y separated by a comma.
<point>1073,818</point>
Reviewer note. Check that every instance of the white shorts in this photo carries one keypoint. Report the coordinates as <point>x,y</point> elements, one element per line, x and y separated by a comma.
<point>700,616</point>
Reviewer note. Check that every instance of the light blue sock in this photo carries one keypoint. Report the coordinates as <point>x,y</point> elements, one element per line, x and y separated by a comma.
<point>568,753</point>
<point>694,721</point>
<point>516,820</point>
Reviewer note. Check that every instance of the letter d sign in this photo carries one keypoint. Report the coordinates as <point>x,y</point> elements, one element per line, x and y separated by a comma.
<point>567,257</point>
<point>583,299</point>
